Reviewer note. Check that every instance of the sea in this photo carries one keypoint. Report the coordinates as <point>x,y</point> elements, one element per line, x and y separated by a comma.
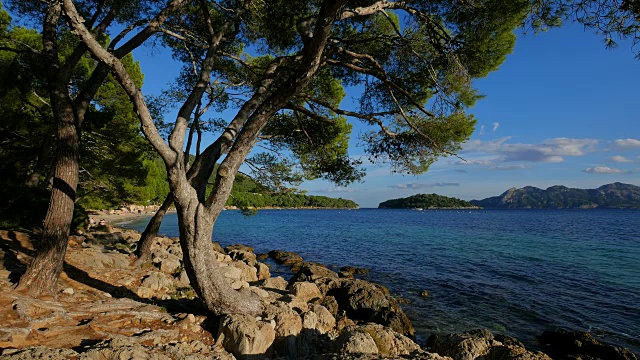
<point>515,272</point>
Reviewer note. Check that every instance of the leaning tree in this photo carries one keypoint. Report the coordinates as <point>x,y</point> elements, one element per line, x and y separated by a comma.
<point>617,19</point>
<point>70,98</point>
<point>410,63</point>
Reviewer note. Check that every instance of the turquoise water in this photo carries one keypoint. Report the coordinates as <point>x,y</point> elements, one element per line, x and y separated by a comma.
<point>517,272</point>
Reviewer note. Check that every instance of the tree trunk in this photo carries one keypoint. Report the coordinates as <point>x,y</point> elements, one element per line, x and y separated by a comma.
<point>43,271</point>
<point>196,228</point>
<point>143,251</point>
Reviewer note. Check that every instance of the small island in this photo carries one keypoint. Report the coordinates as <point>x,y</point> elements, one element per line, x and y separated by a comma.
<point>427,201</point>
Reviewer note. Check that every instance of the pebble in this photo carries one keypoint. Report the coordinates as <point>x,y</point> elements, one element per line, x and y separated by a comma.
<point>68,291</point>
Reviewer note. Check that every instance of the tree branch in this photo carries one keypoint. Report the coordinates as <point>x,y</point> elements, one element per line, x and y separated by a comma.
<point>148,127</point>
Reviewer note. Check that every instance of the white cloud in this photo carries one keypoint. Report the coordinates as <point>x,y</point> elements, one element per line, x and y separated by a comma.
<point>620,159</point>
<point>337,189</point>
<point>552,150</point>
<point>605,170</point>
<point>415,186</point>
<point>511,167</point>
<point>627,144</point>
<point>476,146</point>
<point>496,125</point>
<point>481,132</point>
<point>475,162</point>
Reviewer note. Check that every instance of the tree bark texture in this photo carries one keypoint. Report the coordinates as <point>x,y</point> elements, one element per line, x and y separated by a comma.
<point>196,228</point>
<point>43,271</point>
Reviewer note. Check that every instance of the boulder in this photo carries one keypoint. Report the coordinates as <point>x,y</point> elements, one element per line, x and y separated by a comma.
<point>217,247</point>
<point>262,271</point>
<point>248,272</point>
<point>306,291</point>
<point>170,264</point>
<point>329,303</point>
<point>175,249</point>
<point>277,283</point>
<point>157,281</point>
<point>107,238</point>
<point>462,346</point>
<point>243,335</point>
<point>99,258</point>
<point>513,352</point>
<point>352,341</point>
<point>579,344</point>
<point>353,270</point>
<point>285,257</point>
<point>183,279</point>
<point>241,255</point>
<point>313,273</point>
<point>481,344</point>
<point>325,321</point>
<point>362,300</point>
<point>288,327</point>
<point>389,342</point>
<point>230,248</point>
<point>231,272</point>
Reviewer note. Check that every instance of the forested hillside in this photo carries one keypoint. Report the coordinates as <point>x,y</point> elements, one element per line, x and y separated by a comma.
<point>425,201</point>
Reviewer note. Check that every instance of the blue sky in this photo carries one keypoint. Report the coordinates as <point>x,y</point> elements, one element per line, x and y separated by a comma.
<point>561,110</point>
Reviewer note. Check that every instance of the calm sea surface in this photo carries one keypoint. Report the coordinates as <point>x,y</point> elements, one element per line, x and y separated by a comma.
<point>516,272</point>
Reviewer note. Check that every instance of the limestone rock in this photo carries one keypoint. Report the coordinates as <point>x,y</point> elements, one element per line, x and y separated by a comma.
<point>513,352</point>
<point>248,272</point>
<point>306,291</point>
<point>389,342</point>
<point>325,320</point>
<point>349,271</point>
<point>176,250</point>
<point>183,279</point>
<point>157,281</point>
<point>247,257</point>
<point>366,301</point>
<point>262,271</point>
<point>351,341</point>
<point>577,344</point>
<point>277,282</point>
<point>463,346</point>
<point>170,264</point>
<point>313,273</point>
<point>217,247</point>
<point>481,344</point>
<point>285,257</point>
<point>231,272</point>
<point>309,320</point>
<point>288,327</point>
<point>330,303</point>
<point>243,335</point>
<point>238,247</point>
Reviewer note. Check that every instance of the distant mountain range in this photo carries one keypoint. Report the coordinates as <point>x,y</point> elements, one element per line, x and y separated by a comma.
<point>610,196</point>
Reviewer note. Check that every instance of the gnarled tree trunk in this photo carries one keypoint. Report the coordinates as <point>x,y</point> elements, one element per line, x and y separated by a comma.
<point>143,251</point>
<point>196,228</point>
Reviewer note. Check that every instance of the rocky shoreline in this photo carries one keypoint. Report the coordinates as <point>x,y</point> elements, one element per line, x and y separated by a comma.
<point>109,308</point>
